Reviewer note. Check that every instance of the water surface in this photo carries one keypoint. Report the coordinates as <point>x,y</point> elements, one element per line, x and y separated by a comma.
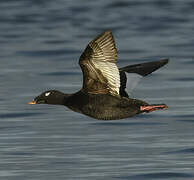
<point>40,44</point>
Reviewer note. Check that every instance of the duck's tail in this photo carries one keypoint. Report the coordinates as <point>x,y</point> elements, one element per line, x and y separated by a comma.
<point>153,107</point>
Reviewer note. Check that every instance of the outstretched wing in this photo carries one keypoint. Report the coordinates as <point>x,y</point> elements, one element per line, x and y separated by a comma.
<point>132,74</point>
<point>100,73</point>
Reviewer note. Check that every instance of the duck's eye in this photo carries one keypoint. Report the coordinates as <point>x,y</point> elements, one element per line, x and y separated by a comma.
<point>47,94</point>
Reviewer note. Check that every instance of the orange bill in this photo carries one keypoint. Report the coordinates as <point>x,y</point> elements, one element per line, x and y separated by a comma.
<point>32,102</point>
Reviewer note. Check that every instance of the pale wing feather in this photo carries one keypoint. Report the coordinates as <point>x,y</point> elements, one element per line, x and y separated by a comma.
<point>111,73</point>
<point>98,64</point>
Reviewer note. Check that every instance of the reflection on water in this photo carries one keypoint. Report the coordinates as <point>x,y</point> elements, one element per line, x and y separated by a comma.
<point>40,44</point>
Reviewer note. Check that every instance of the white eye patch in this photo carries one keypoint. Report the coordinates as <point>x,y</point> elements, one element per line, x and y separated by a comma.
<point>47,94</point>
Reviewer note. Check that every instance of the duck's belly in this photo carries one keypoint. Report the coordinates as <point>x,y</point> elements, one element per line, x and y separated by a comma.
<point>110,113</point>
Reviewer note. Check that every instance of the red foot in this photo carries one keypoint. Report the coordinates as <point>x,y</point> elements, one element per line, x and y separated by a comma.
<point>150,108</point>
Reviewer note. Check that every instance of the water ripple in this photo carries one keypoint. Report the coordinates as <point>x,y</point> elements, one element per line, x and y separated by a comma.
<point>128,124</point>
<point>47,53</point>
<point>183,151</point>
<point>60,74</point>
<point>168,175</point>
<point>18,115</point>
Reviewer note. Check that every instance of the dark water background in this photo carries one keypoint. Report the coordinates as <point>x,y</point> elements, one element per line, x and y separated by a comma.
<point>40,43</point>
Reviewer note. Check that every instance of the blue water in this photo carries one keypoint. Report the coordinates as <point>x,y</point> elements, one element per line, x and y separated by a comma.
<point>40,44</point>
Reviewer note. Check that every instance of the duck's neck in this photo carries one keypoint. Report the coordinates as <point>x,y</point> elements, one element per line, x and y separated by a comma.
<point>59,98</point>
<point>65,97</point>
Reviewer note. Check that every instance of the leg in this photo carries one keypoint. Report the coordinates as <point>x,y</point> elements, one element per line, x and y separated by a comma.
<point>150,108</point>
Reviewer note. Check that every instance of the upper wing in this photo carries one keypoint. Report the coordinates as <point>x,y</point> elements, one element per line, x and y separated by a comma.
<point>100,73</point>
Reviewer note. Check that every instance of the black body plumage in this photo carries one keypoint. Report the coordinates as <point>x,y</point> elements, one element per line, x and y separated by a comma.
<point>103,94</point>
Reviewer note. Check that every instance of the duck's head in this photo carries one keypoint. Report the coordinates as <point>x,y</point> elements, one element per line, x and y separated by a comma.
<point>49,97</point>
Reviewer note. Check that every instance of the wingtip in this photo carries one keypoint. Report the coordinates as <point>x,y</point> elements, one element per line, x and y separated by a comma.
<point>108,31</point>
<point>146,68</point>
<point>103,35</point>
<point>165,61</point>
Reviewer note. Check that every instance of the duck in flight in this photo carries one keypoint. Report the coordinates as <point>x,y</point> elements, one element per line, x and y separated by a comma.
<point>104,92</point>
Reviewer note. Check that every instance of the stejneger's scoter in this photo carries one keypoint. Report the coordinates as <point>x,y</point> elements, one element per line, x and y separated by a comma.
<point>103,94</point>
